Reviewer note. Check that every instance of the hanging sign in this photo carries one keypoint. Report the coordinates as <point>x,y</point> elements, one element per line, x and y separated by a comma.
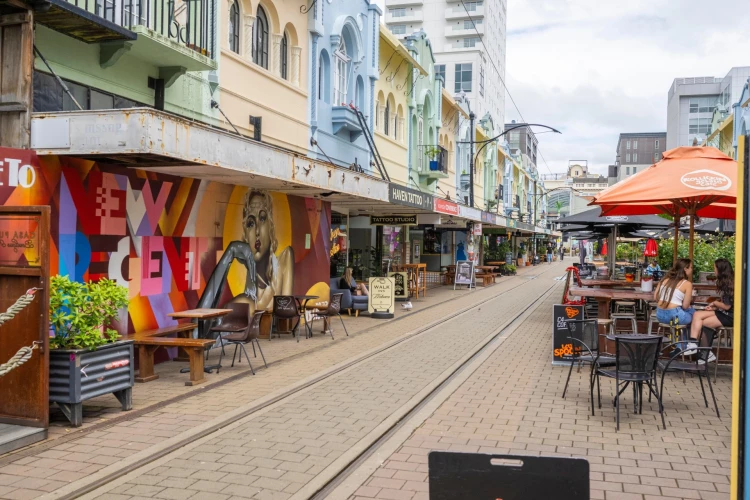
<point>477,229</point>
<point>464,273</point>
<point>408,197</point>
<point>401,290</point>
<point>446,207</point>
<point>393,220</point>
<point>381,300</point>
<point>470,213</point>
<point>562,347</point>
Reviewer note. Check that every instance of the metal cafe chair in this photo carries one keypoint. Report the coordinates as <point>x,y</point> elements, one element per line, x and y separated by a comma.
<point>334,309</point>
<point>584,334</point>
<point>239,333</point>
<point>697,366</point>
<point>286,307</point>
<point>635,363</point>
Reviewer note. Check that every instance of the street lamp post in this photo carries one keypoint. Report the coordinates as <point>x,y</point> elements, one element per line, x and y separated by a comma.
<point>484,143</point>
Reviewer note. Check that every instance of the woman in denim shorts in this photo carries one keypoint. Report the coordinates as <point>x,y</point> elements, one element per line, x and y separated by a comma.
<point>674,294</point>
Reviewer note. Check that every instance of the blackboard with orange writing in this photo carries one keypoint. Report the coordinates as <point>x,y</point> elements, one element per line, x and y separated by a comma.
<point>562,346</point>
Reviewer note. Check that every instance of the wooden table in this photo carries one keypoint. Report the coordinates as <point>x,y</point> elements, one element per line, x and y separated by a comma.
<point>486,274</point>
<point>417,277</point>
<point>608,283</point>
<point>605,296</point>
<point>200,316</point>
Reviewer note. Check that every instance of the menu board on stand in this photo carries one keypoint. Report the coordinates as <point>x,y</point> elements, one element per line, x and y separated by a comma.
<point>464,274</point>
<point>562,346</point>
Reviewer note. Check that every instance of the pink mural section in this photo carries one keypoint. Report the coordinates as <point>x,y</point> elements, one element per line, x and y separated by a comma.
<point>159,235</point>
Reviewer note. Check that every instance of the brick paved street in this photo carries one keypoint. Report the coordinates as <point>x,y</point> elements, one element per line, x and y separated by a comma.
<point>276,452</point>
<point>513,405</point>
<point>108,441</point>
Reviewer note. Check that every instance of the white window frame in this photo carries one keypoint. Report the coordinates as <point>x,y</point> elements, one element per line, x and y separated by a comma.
<point>627,144</point>
<point>656,144</point>
<point>627,158</point>
<point>635,157</point>
<point>635,144</point>
<point>401,12</point>
<point>340,74</point>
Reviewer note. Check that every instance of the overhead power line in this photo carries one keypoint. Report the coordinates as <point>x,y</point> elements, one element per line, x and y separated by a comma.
<point>499,74</point>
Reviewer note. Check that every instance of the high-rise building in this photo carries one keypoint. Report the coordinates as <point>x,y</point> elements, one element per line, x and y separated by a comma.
<point>636,151</point>
<point>468,42</point>
<point>692,101</point>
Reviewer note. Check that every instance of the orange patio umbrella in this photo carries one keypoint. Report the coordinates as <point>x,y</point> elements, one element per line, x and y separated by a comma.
<point>688,181</point>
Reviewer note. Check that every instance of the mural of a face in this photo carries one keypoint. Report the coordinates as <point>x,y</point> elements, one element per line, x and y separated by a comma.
<point>258,220</point>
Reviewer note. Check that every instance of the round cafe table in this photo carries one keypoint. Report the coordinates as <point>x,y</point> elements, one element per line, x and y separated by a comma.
<point>302,301</point>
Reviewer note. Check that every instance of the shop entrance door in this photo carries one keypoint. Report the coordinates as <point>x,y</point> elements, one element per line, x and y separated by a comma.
<point>24,264</point>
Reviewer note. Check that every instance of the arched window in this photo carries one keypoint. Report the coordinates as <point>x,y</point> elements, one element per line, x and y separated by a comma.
<point>234,27</point>
<point>324,89</point>
<point>387,118</point>
<point>285,56</point>
<point>260,43</point>
<point>341,70</point>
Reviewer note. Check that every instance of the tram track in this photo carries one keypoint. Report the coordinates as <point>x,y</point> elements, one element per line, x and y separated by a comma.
<point>140,460</point>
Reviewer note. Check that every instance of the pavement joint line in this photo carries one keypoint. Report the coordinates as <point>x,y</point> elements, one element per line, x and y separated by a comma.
<point>120,470</point>
<point>345,484</point>
<point>130,415</point>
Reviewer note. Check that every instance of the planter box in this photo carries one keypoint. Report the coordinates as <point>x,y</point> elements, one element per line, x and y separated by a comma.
<point>76,375</point>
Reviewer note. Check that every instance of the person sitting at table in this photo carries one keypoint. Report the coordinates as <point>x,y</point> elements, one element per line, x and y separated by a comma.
<point>652,268</point>
<point>675,293</point>
<point>348,281</point>
<point>719,312</point>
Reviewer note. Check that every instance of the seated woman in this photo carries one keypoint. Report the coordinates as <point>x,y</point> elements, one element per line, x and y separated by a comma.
<point>652,268</point>
<point>675,293</point>
<point>719,312</point>
<point>348,281</point>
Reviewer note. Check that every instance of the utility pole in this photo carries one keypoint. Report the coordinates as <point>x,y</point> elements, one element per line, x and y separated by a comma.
<point>471,158</point>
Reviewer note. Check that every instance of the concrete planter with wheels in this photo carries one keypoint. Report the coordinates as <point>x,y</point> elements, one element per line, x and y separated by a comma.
<point>77,375</point>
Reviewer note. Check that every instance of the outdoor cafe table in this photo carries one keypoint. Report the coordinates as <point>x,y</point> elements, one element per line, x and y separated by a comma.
<point>302,301</point>
<point>606,283</point>
<point>200,316</point>
<point>604,297</point>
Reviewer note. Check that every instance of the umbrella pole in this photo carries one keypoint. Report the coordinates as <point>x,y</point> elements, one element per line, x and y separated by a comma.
<point>692,232</point>
<point>676,237</point>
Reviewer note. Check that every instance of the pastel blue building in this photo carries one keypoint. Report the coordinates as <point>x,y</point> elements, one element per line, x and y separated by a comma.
<point>344,38</point>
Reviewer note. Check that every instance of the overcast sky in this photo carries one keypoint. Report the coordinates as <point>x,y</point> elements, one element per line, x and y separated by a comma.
<point>595,68</point>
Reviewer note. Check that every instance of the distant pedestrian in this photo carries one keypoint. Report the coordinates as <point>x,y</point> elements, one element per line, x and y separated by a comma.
<point>582,253</point>
<point>549,253</point>
<point>562,253</point>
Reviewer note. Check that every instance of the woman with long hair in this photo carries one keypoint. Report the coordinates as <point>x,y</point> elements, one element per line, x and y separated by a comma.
<point>719,312</point>
<point>348,281</point>
<point>674,294</point>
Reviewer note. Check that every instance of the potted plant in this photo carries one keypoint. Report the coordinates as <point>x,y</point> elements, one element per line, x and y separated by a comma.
<point>465,178</point>
<point>433,153</point>
<point>510,269</point>
<point>87,359</point>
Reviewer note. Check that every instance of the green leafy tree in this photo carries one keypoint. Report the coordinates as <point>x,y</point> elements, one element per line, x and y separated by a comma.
<point>705,252</point>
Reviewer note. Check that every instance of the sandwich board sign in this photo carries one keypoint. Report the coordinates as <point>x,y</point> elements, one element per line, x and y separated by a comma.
<point>400,279</point>
<point>464,273</point>
<point>381,300</point>
<point>562,347</point>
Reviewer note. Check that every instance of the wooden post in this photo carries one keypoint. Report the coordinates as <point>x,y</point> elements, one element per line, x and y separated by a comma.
<point>16,89</point>
<point>692,232</point>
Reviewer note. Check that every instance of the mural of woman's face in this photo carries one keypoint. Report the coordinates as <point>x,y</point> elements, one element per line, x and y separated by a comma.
<point>257,228</point>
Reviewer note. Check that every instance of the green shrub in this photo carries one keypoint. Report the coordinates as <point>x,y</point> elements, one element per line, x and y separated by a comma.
<point>81,312</point>
<point>705,252</point>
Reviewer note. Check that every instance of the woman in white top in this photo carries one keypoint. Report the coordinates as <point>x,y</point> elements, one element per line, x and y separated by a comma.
<point>674,294</point>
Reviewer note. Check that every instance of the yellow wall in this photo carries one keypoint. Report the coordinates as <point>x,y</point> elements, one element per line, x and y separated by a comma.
<point>392,88</point>
<point>250,90</point>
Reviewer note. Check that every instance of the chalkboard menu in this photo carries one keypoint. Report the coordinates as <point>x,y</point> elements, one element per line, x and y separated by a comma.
<point>478,476</point>
<point>401,290</point>
<point>464,273</point>
<point>562,347</point>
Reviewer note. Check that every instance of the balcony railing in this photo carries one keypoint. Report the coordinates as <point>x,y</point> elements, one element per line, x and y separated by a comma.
<point>190,23</point>
<point>432,161</point>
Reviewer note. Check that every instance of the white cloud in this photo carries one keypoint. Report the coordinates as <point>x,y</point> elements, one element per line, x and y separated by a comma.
<point>595,68</point>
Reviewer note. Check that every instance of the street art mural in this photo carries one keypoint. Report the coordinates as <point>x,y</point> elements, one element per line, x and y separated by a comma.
<point>176,243</point>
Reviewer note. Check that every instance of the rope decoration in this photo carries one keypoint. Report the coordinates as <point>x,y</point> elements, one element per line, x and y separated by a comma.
<point>24,353</point>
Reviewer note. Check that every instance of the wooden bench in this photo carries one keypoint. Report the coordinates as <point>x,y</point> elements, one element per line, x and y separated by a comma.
<point>148,341</point>
<point>147,346</point>
<point>487,278</point>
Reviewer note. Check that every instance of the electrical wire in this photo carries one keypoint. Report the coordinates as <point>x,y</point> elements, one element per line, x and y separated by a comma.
<point>499,75</point>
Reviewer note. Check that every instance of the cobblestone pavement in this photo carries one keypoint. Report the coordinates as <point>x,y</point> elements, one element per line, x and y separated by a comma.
<point>280,450</point>
<point>512,405</point>
<point>105,446</point>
